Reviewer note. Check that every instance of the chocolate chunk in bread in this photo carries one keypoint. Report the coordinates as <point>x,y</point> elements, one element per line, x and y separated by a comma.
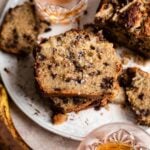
<point>19,30</point>
<point>127,23</point>
<point>72,65</point>
<point>138,93</point>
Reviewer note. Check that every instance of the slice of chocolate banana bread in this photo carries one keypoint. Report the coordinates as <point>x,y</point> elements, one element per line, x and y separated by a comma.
<point>74,104</point>
<point>19,30</point>
<point>66,104</point>
<point>137,83</point>
<point>126,22</point>
<point>77,63</point>
<point>60,106</point>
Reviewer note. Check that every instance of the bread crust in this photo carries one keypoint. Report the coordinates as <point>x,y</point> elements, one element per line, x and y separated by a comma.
<point>127,23</point>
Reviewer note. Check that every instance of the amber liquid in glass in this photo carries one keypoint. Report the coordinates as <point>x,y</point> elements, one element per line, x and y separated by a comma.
<point>114,146</point>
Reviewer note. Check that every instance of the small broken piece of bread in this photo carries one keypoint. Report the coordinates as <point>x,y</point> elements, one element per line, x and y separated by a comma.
<point>19,30</point>
<point>77,63</point>
<point>137,85</point>
<point>59,118</point>
<point>127,23</point>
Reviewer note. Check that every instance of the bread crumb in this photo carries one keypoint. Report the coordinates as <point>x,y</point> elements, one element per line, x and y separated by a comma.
<point>104,102</point>
<point>125,60</point>
<point>6,70</point>
<point>101,114</point>
<point>120,97</point>
<point>107,107</point>
<point>59,118</point>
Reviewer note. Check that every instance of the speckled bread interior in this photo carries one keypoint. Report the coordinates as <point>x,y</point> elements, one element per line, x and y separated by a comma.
<point>137,85</point>
<point>19,30</point>
<point>77,63</point>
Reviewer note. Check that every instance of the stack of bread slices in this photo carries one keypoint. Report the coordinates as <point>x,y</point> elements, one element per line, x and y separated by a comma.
<point>76,70</point>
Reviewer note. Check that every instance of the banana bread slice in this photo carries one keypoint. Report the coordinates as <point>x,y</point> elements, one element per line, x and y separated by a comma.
<point>19,30</point>
<point>137,83</point>
<point>127,23</point>
<point>60,106</point>
<point>77,63</point>
<point>75,104</point>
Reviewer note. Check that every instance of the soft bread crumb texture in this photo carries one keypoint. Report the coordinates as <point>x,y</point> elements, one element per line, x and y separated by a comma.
<point>138,94</point>
<point>77,63</point>
<point>19,30</point>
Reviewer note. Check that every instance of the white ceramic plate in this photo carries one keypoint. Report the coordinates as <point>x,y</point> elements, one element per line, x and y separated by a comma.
<point>17,75</point>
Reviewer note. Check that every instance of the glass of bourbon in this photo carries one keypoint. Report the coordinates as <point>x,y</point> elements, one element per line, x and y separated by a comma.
<point>60,11</point>
<point>117,136</point>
